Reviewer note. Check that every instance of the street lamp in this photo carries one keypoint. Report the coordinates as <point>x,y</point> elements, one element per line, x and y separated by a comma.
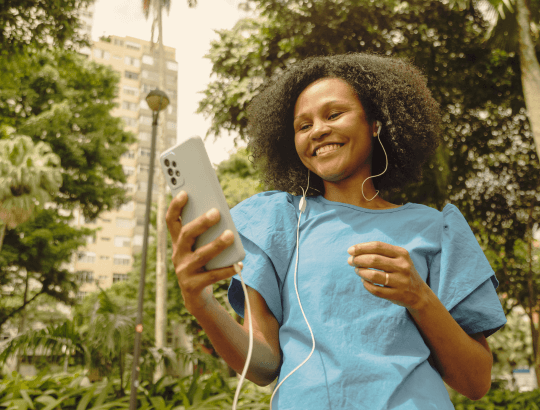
<point>157,100</point>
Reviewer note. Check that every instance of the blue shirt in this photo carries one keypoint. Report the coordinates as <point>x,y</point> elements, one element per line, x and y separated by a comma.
<point>368,353</point>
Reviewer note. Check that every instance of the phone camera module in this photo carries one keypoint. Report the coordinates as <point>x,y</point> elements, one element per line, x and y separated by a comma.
<point>170,172</point>
<point>173,180</point>
<point>177,173</point>
<point>167,162</point>
<point>174,164</point>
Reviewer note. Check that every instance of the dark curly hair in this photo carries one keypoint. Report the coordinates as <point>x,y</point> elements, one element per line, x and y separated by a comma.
<point>391,90</point>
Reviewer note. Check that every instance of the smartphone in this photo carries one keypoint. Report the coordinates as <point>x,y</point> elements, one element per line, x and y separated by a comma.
<point>186,167</point>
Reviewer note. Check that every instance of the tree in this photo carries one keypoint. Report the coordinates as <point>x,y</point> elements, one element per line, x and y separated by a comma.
<point>62,99</point>
<point>59,99</point>
<point>35,252</point>
<point>29,175</point>
<point>32,23</point>
<point>513,26</point>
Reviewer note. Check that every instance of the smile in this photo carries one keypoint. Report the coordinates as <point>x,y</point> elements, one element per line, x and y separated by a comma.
<point>327,149</point>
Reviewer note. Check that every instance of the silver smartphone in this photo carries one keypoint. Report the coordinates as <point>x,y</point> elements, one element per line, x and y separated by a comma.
<point>186,166</point>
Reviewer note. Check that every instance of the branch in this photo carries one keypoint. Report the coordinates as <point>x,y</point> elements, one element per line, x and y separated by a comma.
<point>5,318</point>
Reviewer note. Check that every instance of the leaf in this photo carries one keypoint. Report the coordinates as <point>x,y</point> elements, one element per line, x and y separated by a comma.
<point>86,398</point>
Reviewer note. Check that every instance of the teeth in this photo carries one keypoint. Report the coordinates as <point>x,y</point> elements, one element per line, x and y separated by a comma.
<point>326,148</point>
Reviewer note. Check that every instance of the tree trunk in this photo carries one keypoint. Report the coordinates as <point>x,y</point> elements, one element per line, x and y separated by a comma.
<point>2,234</point>
<point>530,70</point>
<point>22,321</point>
<point>161,254</point>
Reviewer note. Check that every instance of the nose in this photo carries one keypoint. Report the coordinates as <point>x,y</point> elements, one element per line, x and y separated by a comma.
<point>320,129</point>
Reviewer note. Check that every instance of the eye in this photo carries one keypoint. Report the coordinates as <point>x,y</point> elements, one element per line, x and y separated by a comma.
<point>304,127</point>
<point>334,115</point>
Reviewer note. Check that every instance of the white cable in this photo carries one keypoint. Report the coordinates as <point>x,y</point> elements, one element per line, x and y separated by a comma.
<point>385,168</point>
<point>250,348</point>
<point>302,209</point>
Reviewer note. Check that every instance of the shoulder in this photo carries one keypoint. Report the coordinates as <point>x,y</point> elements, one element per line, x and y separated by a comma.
<point>269,205</point>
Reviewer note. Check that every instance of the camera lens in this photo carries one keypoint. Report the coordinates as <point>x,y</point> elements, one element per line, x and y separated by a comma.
<point>177,173</point>
<point>174,164</point>
<point>170,172</point>
<point>167,162</point>
<point>173,180</point>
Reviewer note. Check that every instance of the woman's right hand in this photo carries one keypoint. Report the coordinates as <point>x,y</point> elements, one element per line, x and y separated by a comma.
<point>194,280</point>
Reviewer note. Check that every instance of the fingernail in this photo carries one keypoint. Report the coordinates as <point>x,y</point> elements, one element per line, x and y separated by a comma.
<point>181,195</point>
<point>238,267</point>
<point>212,213</point>
<point>362,280</point>
<point>350,251</point>
<point>227,234</point>
<point>350,260</point>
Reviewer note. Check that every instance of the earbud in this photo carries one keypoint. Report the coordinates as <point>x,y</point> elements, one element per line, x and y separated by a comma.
<point>379,125</point>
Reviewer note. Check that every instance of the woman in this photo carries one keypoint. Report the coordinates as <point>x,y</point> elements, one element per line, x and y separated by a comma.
<point>397,298</point>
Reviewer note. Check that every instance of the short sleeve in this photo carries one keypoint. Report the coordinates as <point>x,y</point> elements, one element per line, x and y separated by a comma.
<point>266,223</point>
<point>462,278</point>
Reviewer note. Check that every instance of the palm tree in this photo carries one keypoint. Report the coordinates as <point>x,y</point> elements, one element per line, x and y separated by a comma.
<point>100,344</point>
<point>30,175</point>
<point>512,25</point>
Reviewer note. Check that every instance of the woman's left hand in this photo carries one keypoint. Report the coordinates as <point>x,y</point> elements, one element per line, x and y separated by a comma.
<point>404,286</point>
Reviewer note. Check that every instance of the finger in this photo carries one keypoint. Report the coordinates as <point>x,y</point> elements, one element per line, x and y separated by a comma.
<point>173,213</point>
<point>204,279</point>
<point>377,247</point>
<point>195,228</point>
<point>374,262</point>
<point>205,253</point>
<point>373,276</point>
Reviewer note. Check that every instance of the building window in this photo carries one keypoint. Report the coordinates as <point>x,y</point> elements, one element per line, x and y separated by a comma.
<point>130,188</point>
<point>131,75</point>
<point>105,238</point>
<point>122,241</point>
<point>119,277</point>
<point>117,57</point>
<point>130,122</point>
<point>118,42</point>
<point>90,240</point>
<point>98,53</point>
<point>87,257</point>
<point>130,206</point>
<point>133,46</point>
<point>170,109</point>
<point>150,75</point>
<point>148,60</point>
<point>125,223</point>
<point>102,279</point>
<point>145,120</point>
<point>128,171</point>
<point>143,168</point>
<point>146,88</point>
<point>85,276</point>
<point>135,62</point>
<point>126,105</point>
<point>138,240</point>
<point>104,257</point>
<point>144,136</point>
<point>122,259</point>
<point>171,65</point>
<point>129,154</point>
<point>82,295</point>
<point>131,90</point>
<point>144,152</point>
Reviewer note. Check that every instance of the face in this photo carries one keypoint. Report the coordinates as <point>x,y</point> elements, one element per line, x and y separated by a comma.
<point>329,112</point>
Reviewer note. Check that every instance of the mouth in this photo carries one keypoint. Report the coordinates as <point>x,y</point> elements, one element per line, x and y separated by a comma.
<point>325,150</point>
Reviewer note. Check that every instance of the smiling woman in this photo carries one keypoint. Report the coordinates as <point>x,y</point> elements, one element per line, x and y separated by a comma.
<point>381,303</point>
<point>386,89</point>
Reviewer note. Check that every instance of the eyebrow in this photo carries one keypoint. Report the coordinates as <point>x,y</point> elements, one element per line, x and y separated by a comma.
<point>323,106</point>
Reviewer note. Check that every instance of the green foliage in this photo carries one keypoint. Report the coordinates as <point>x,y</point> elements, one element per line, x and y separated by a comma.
<point>60,98</point>
<point>39,248</point>
<point>500,400</point>
<point>31,23</point>
<point>196,392</point>
<point>29,174</point>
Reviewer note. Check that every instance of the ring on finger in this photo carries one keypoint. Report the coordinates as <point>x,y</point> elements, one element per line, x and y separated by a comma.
<point>387,278</point>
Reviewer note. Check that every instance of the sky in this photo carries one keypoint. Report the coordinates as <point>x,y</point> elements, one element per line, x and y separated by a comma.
<point>189,31</point>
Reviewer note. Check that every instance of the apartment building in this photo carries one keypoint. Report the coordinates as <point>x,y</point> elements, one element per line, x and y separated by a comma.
<point>108,256</point>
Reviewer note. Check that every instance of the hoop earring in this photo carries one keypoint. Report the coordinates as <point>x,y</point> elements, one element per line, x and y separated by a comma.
<point>373,176</point>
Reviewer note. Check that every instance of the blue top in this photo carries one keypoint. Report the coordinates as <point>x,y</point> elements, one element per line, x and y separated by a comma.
<point>368,353</point>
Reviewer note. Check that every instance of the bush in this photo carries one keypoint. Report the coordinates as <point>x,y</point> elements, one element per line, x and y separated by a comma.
<point>500,400</point>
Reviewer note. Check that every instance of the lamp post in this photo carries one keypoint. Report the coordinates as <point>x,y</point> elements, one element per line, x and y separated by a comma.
<point>157,100</point>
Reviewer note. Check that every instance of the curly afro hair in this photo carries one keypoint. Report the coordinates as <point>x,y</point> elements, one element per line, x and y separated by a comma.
<point>390,90</point>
